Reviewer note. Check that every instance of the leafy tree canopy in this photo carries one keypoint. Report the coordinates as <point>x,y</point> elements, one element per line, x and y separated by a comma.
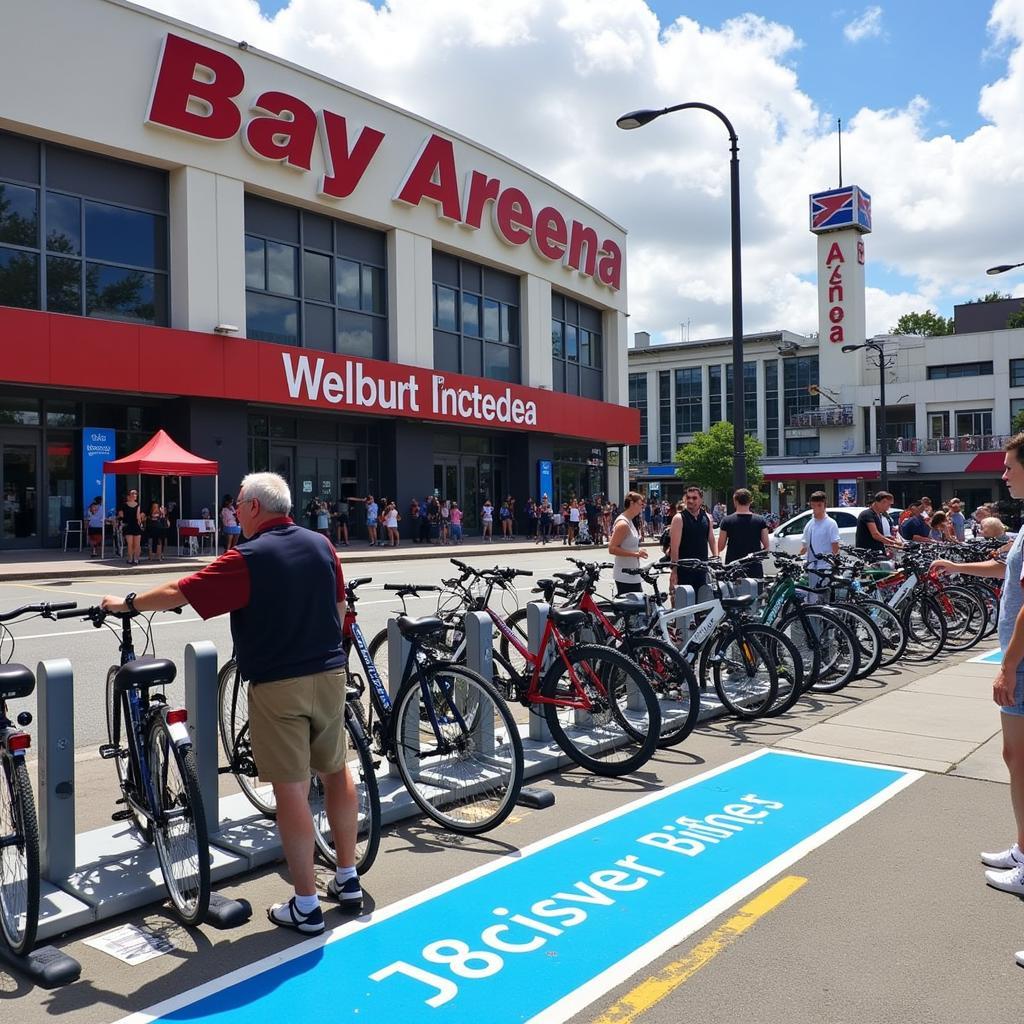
<point>708,459</point>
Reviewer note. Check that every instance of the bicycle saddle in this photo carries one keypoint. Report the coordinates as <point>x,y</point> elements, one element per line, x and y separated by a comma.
<point>144,673</point>
<point>738,602</point>
<point>629,604</point>
<point>567,619</point>
<point>425,626</point>
<point>16,681</point>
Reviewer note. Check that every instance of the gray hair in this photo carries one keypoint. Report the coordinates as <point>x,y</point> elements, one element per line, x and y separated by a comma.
<point>270,489</point>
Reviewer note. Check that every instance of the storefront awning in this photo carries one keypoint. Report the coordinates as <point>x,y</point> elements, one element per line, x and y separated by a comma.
<point>986,462</point>
<point>823,471</point>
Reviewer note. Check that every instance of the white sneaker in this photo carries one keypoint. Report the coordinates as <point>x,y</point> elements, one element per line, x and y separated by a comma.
<point>1005,859</point>
<point>1007,881</point>
<point>1019,957</point>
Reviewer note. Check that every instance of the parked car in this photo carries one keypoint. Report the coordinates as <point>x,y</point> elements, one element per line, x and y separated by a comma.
<point>789,536</point>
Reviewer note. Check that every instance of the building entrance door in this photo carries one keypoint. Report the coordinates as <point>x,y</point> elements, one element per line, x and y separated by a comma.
<point>19,485</point>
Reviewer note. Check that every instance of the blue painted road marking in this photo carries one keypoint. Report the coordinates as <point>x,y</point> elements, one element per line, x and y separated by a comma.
<point>538,936</point>
<point>992,658</point>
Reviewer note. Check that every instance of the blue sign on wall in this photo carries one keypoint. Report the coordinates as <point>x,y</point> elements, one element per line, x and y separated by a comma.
<point>97,448</point>
<point>544,479</point>
<point>538,936</point>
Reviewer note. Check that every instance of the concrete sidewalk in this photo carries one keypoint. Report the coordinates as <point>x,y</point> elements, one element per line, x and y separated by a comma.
<point>943,722</point>
<point>46,564</point>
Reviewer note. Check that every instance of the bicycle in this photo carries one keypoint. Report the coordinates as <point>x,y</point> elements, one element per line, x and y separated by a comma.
<point>447,729</point>
<point>155,767</point>
<point>233,722</point>
<point>598,704</point>
<point>19,827</point>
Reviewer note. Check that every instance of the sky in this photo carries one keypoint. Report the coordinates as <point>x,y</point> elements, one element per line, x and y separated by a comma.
<point>931,97</point>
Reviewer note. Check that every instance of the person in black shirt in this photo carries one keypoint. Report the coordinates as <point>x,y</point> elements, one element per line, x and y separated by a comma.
<point>870,534</point>
<point>691,535</point>
<point>743,533</point>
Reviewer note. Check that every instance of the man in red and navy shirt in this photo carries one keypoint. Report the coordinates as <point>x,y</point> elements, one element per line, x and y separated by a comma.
<point>284,589</point>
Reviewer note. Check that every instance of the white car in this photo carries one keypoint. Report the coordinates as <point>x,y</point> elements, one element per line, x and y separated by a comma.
<point>789,535</point>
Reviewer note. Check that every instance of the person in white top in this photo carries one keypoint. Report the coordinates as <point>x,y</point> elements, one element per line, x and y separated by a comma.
<point>821,537</point>
<point>391,518</point>
<point>487,517</point>
<point>625,545</point>
<point>574,521</point>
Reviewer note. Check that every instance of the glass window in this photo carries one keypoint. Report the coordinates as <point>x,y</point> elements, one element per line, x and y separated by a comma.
<point>492,320</point>
<point>665,415</point>
<point>360,334</point>
<point>801,446</point>
<point>348,283</point>
<point>445,315</point>
<point>638,400</point>
<point>795,526</point>
<point>282,268</point>
<point>771,404</point>
<point>715,393</point>
<point>63,285</point>
<point>19,215</point>
<point>21,411</point>
<point>255,263</point>
<point>19,278</point>
<point>955,370</point>
<point>117,235</point>
<point>113,293</point>
<point>572,347</point>
<point>63,224</point>
<point>316,276</point>
<point>1017,373</point>
<point>576,338</point>
<point>373,290</point>
<point>844,519</point>
<point>471,315</point>
<point>318,328</point>
<point>61,414</point>
<point>268,318</point>
<point>1016,405</point>
<point>557,348</point>
<point>460,309</point>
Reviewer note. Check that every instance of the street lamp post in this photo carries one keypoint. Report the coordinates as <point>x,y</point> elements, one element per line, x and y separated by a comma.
<point>1002,268</point>
<point>637,119</point>
<point>883,446</point>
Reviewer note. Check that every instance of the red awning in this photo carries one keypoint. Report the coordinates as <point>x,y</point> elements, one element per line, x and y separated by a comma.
<point>162,456</point>
<point>987,462</point>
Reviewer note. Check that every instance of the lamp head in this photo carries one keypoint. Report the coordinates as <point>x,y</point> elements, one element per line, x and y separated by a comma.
<point>637,118</point>
<point>851,348</point>
<point>1002,268</point>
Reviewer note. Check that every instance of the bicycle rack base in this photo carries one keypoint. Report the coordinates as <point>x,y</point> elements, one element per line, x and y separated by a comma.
<point>47,966</point>
<point>227,913</point>
<point>533,796</point>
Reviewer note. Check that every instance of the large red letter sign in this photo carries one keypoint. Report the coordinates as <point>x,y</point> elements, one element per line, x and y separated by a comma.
<point>177,84</point>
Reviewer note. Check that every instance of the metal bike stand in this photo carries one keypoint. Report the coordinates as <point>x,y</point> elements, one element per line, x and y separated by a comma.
<point>480,658</point>
<point>48,966</point>
<point>536,622</point>
<point>398,655</point>
<point>201,704</point>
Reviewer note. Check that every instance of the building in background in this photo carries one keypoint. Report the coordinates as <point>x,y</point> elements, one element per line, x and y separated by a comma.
<point>286,274</point>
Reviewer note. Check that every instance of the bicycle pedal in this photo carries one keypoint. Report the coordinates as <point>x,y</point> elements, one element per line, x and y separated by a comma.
<point>108,751</point>
<point>121,815</point>
<point>122,800</point>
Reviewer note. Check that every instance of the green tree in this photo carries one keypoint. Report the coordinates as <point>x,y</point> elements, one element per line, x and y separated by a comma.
<point>928,324</point>
<point>989,297</point>
<point>1016,319</point>
<point>708,459</point>
<point>1018,423</point>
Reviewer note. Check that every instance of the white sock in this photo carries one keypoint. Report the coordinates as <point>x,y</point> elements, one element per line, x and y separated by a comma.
<point>342,875</point>
<point>306,904</point>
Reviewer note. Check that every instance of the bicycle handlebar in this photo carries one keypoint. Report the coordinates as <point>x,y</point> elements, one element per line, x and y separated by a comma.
<point>48,611</point>
<point>410,588</point>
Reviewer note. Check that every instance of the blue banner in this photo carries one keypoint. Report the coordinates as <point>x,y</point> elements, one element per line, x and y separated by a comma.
<point>545,480</point>
<point>97,448</point>
<point>539,935</point>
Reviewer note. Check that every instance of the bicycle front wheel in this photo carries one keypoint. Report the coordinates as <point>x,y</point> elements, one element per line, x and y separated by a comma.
<point>233,718</point>
<point>925,625</point>
<point>894,636</point>
<point>457,748</point>
<point>745,675</point>
<point>605,715</point>
<point>361,770</point>
<point>674,684</point>
<point>966,617</point>
<point>19,858</point>
<point>179,831</point>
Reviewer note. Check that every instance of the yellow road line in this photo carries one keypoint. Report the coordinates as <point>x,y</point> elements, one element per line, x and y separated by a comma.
<point>652,991</point>
<point>62,589</point>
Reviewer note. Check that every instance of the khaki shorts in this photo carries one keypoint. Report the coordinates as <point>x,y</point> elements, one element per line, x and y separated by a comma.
<point>297,725</point>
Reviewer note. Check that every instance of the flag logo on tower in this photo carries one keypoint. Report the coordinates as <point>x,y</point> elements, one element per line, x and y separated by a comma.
<point>840,208</point>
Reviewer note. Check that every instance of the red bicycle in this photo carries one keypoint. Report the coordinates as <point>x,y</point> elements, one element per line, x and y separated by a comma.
<point>599,706</point>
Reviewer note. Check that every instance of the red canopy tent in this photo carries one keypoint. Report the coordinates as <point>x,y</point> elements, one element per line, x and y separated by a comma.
<point>162,456</point>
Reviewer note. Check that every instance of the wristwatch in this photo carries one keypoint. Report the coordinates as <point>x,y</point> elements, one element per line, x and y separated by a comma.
<point>129,600</point>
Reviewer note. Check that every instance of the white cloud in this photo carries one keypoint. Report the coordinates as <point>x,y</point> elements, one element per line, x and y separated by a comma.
<point>543,81</point>
<point>865,26</point>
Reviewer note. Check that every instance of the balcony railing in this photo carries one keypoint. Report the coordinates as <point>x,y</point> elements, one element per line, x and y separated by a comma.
<point>941,445</point>
<point>826,416</point>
